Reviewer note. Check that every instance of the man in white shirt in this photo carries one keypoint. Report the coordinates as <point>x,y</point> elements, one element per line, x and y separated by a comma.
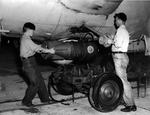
<point>120,44</point>
<point>36,83</point>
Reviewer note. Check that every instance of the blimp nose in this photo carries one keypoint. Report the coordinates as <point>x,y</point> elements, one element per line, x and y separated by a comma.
<point>105,7</point>
<point>96,7</point>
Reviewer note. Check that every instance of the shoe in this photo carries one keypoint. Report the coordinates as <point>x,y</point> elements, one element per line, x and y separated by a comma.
<point>27,104</point>
<point>47,102</point>
<point>129,108</point>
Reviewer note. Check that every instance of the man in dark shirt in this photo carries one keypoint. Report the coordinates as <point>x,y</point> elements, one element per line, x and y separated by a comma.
<point>36,83</point>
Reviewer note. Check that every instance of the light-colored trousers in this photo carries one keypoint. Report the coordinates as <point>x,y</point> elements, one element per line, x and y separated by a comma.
<point>121,61</point>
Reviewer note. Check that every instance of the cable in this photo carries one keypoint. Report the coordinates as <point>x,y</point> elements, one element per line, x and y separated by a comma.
<point>57,22</point>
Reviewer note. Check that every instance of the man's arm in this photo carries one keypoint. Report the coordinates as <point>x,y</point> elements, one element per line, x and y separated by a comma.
<point>43,50</point>
<point>119,39</point>
<point>39,49</point>
<point>106,40</point>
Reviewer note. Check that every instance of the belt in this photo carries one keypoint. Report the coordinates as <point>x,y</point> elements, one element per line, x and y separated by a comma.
<point>119,52</point>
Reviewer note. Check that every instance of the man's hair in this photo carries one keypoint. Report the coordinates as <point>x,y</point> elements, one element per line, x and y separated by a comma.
<point>28,25</point>
<point>122,16</point>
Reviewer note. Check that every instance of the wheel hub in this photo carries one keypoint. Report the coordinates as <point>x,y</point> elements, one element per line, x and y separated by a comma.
<point>108,93</point>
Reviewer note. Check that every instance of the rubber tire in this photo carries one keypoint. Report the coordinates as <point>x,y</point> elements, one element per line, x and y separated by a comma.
<point>63,88</point>
<point>50,88</point>
<point>97,98</point>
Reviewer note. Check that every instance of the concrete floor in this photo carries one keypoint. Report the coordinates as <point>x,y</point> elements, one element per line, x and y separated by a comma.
<point>10,102</point>
<point>12,87</point>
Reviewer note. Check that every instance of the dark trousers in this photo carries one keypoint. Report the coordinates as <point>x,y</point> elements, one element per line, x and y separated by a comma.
<point>36,83</point>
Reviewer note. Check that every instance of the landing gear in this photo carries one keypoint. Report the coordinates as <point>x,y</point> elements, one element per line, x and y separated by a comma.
<point>106,92</point>
<point>58,90</point>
